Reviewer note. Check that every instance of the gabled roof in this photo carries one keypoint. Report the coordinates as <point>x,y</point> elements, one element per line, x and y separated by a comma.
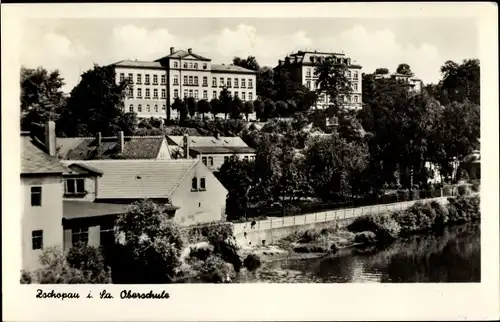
<point>138,179</point>
<point>79,168</point>
<point>183,54</point>
<point>207,141</point>
<point>138,64</point>
<point>34,160</point>
<point>231,69</point>
<point>135,147</point>
<point>222,150</point>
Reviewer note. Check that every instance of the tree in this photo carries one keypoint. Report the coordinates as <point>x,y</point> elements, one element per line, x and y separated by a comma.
<point>204,107</point>
<point>265,83</point>
<point>381,71</point>
<point>281,108</point>
<point>215,106</point>
<point>269,109</point>
<point>332,81</point>
<point>249,63</point>
<point>151,243</point>
<point>404,69</point>
<point>226,102</point>
<point>259,108</point>
<point>248,108</point>
<point>461,81</point>
<point>237,108</point>
<point>96,105</point>
<point>181,107</point>
<point>192,106</point>
<point>42,98</point>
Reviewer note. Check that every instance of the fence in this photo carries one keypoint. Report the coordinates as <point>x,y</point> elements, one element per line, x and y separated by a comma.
<point>318,217</point>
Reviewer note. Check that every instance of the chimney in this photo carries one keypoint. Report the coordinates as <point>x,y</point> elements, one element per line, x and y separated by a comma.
<point>186,146</point>
<point>172,50</point>
<point>121,142</point>
<point>98,139</point>
<point>190,50</point>
<point>50,138</point>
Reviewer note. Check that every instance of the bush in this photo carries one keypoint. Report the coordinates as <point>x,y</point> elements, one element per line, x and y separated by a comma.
<point>475,187</point>
<point>26,277</point>
<point>215,270</point>
<point>309,235</point>
<point>384,226</point>
<point>201,251</point>
<point>463,190</point>
<point>90,260</point>
<point>365,237</point>
<point>252,262</point>
<point>310,248</point>
<point>463,209</point>
<point>419,217</point>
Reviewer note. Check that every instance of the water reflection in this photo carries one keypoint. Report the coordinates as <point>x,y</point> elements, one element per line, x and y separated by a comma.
<point>450,256</point>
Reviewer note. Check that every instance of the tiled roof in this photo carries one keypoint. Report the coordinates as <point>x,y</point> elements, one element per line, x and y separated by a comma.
<point>135,147</point>
<point>222,150</point>
<point>207,141</point>
<point>137,179</point>
<point>73,209</point>
<point>231,68</point>
<point>79,168</point>
<point>34,160</point>
<point>183,54</point>
<point>139,64</point>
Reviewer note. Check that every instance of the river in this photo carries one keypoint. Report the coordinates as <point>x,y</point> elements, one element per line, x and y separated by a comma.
<point>453,255</point>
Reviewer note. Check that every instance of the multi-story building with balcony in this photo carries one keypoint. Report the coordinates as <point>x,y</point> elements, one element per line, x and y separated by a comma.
<point>181,74</point>
<point>302,65</point>
<point>414,84</point>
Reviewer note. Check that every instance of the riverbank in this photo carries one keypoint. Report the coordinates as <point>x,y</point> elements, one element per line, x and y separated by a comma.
<point>369,230</point>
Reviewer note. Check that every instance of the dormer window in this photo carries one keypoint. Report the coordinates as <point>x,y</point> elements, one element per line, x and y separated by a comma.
<point>194,184</point>
<point>74,186</point>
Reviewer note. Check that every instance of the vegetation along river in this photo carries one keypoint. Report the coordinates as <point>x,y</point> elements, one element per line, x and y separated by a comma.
<point>452,255</point>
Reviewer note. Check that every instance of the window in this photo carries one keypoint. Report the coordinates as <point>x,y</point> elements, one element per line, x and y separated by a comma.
<point>148,108</point>
<point>176,79</point>
<point>243,85</point>
<point>176,93</point>
<point>164,107</point>
<point>236,94</point>
<point>229,82</point>
<point>356,75</point>
<point>312,85</point>
<point>185,80</point>
<point>164,93</point>
<point>250,96</point>
<point>250,85</point>
<point>176,64</point>
<point>122,77</point>
<point>196,94</point>
<point>164,79</point>
<point>308,72</point>
<point>131,108</point>
<point>204,66</point>
<point>205,81</point>
<point>139,79</point>
<point>37,239</point>
<point>204,160</point>
<point>211,161</point>
<point>107,235</point>
<point>205,95</point>
<point>214,94</point>
<point>236,83</point>
<point>155,79</point>
<point>36,196</point>
<point>355,98</point>
<point>190,93</point>
<point>190,80</point>
<point>221,81</point>
<point>195,66</point>
<point>194,184</point>
<point>245,158</point>
<point>139,93</point>
<point>75,186</point>
<point>202,184</point>
<point>308,84</point>
<point>191,65</point>
<point>355,86</point>
<point>147,93</point>
<point>214,81</point>
<point>131,77</point>
<point>348,74</point>
<point>243,96</point>
<point>156,107</point>
<point>80,236</point>
<point>155,93</point>
<point>196,80</point>
<point>226,159</point>
<point>349,99</point>
<point>185,65</point>
<point>139,108</point>
<point>146,81</point>
<point>185,93</point>
<point>130,93</point>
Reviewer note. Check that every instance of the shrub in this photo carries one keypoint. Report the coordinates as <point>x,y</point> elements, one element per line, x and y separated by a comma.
<point>463,209</point>
<point>252,262</point>
<point>463,190</point>
<point>419,217</point>
<point>201,251</point>
<point>310,248</point>
<point>365,237</point>
<point>90,260</point>
<point>215,270</point>
<point>309,235</point>
<point>26,277</point>
<point>384,226</point>
<point>475,187</point>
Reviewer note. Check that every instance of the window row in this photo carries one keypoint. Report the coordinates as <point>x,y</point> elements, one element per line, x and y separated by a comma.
<point>233,158</point>
<point>147,79</point>
<point>147,93</point>
<point>202,185</point>
<point>79,236</point>
<point>237,82</point>
<point>313,85</point>
<point>147,109</point>
<point>190,65</point>
<point>194,93</point>
<point>354,75</point>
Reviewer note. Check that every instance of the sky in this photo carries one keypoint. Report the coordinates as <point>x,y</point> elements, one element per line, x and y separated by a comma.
<point>73,45</point>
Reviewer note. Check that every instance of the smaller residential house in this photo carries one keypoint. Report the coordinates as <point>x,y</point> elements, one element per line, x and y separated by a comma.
<point>213,151</point>
<point>118,147</point>
<point>415,84</point>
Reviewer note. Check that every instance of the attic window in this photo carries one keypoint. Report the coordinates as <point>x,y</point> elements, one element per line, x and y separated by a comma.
<point>138,177</point>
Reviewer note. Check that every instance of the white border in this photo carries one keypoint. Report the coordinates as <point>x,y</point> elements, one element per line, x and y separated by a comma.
<point>257,301</point>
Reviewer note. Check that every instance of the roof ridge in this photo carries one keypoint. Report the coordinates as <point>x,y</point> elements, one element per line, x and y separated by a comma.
<point>184,176</point>
<point>131,160</point>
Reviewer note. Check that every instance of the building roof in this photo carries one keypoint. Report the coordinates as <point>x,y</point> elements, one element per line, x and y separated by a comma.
<point>34,159</point>
<point>137,179</point>
<point>183,54</point>
<point>79,168</point>
<point>138,64</point>
<point>222,150</point>
<point>73,209</point>
<point>207,141</point>
<point>135,147</point>
<point>231,69</point>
